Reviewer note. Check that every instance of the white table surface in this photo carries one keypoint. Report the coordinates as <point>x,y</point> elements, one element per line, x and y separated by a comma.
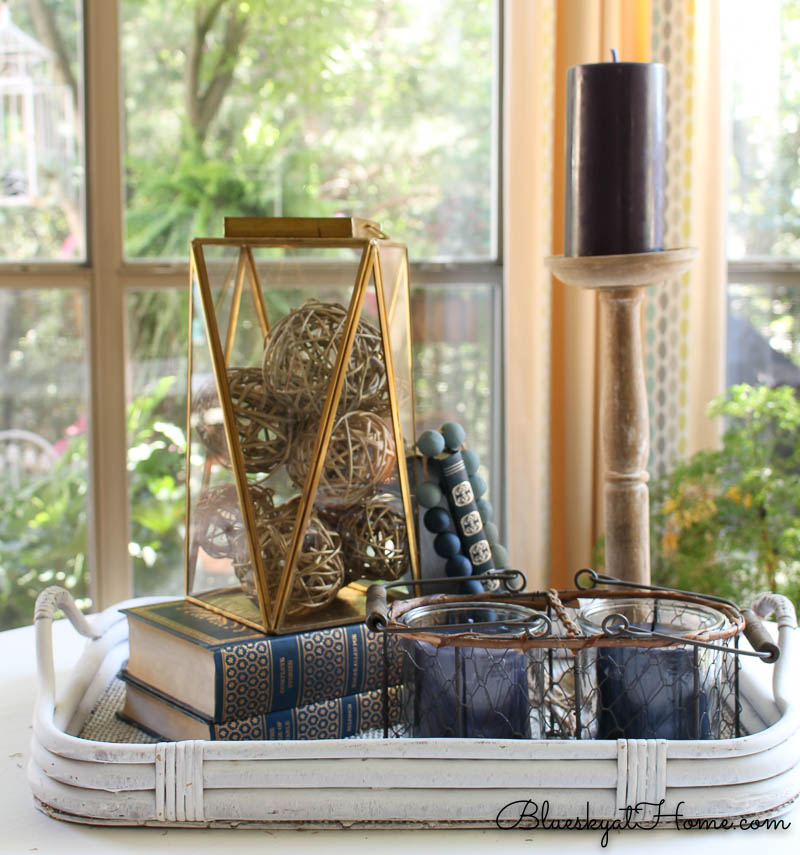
<point>24,829</point>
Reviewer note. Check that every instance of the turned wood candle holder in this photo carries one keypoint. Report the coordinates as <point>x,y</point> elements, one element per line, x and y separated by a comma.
<point>620,281</point>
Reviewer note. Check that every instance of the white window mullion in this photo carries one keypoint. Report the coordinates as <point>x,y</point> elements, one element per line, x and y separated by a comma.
<point>111,564</point>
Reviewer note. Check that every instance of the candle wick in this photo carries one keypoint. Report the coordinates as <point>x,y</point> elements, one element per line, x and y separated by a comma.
<point>614,55</point>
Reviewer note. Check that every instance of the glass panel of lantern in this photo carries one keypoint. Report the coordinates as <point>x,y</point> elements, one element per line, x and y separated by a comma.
<point>300,421</point>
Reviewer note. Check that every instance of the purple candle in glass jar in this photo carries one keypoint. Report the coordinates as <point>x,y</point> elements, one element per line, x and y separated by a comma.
<point>464,690</point>
<point>615,158</point>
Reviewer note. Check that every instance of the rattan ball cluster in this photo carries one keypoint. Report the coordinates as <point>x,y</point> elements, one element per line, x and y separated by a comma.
<point>300,355</point>
<point>375,539</point>
<point>361,456</point>
<point>217,518</point>
<point>319,573</point>
<point>357,528</point>
<point>264,426</point>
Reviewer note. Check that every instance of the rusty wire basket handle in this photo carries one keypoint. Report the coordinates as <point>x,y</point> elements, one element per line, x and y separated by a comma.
<point>618,626</point>
<point>616,630</point>
<point>377,606</point>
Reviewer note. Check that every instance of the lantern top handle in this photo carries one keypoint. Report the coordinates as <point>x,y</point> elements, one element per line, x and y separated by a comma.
<point>301,227</point>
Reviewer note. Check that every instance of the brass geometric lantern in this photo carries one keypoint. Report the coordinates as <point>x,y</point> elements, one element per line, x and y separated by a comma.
<point>300,396</point>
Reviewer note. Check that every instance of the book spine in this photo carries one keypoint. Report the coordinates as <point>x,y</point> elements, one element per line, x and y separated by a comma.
<point>290,671</point>
<point>332,719</point>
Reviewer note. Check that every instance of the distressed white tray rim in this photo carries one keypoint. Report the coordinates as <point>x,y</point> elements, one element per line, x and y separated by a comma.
<point>379,783</point>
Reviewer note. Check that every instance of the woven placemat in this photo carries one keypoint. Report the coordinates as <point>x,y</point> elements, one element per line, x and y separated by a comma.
<point>102,723</point>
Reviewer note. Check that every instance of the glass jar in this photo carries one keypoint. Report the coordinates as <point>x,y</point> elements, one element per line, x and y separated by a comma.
<point>460,689</point>
<point>664,692</point>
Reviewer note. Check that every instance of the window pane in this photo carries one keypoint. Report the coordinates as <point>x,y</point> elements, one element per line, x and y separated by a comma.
<point>762,55</point>
<point>156,445</point>
<point>43,449</point>
<point>764,335</point>
<point>378,108</point>
<point>41,131</point>
<point>454,328</point>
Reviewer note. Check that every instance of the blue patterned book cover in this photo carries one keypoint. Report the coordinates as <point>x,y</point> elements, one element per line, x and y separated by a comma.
<point>255,674</point>
<point>337,718</point>
<point>334,719</point>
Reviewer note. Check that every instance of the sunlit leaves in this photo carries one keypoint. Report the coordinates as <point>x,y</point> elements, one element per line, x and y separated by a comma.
<point>726,520</point>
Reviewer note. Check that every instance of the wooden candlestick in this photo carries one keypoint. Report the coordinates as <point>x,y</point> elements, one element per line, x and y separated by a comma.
<point>624,420</point>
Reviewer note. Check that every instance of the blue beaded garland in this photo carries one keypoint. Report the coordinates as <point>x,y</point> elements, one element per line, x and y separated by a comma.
<point>471,461</point>
<point>485,509</point>
<point>429,494</point>
<point>471,586</point>
<point>436,520</point>
<point>453,435</point>
<point>499,556</point>
<point>478,485</point>
<point>490,530</point>
<point>434,469</point>
<point>430,443</point>
<point>458,565</point>
<point>446,544</point>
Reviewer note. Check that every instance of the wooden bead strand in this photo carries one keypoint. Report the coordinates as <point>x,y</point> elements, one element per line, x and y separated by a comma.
<point>457,512</point>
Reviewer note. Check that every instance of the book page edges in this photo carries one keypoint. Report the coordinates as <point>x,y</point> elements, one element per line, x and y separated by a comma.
<point>173,665</point>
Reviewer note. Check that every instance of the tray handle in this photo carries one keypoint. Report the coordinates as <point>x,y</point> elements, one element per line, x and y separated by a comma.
<point>54,598</point>
<point>766,604</point>
<point>783,609</point>
<point>47,604</point>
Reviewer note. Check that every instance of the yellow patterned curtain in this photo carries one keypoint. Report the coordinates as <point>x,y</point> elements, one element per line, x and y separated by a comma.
<point>554,470</point>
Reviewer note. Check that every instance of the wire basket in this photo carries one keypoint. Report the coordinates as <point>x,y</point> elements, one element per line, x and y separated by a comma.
<point>624,661</point>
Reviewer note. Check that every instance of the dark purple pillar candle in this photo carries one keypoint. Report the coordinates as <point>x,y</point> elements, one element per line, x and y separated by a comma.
<point>615,158</point>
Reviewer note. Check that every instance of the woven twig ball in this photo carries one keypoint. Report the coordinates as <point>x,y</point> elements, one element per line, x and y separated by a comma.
<point>300,355</point>
<point>360,457</point>
<point>375,539</point>
<point>319,572</point>
<point>264,426</point>
<point>206,419</point>
<point>217,519</point>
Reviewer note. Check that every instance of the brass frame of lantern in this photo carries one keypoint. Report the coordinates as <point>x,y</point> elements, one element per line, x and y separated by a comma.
<point>273,608</point>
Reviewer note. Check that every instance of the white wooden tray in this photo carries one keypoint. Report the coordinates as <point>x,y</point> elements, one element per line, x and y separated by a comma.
<point>399,782</point>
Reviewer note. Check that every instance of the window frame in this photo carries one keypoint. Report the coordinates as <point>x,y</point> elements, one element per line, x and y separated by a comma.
<point>106,277</point>
<point>764,270</point>
<point>767,272</point>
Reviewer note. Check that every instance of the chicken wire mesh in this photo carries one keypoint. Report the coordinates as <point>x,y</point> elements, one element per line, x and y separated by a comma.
<point>591,663</point>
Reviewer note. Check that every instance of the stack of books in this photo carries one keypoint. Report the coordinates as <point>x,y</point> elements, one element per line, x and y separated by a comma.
<point>193,674</point>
